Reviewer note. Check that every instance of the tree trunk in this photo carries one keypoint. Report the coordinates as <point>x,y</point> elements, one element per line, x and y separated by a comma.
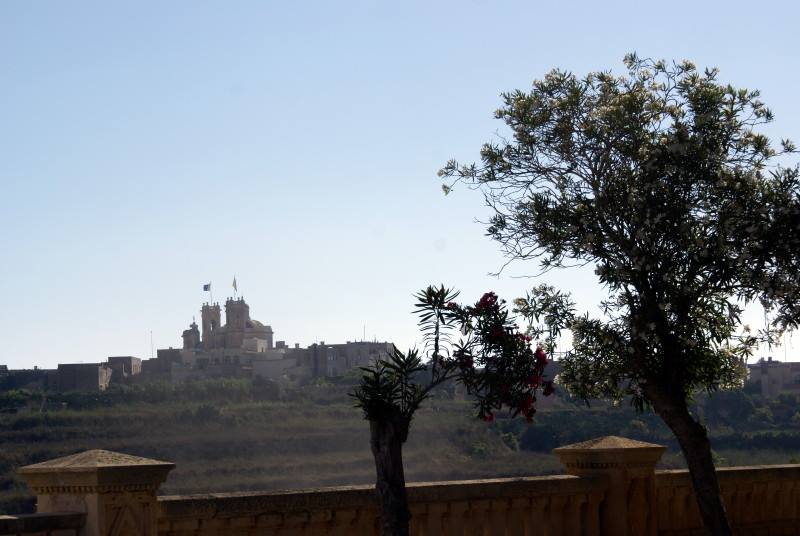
<point>696,448</point>
<point>386,440</point>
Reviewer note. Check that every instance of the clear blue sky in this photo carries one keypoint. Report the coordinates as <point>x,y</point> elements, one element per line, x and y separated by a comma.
<point>147,148</point>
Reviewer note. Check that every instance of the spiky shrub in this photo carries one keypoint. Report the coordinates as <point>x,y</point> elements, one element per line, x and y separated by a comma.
<point>478,345</point>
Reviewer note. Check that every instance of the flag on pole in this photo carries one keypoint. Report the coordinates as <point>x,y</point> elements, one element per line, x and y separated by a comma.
<point>207,287</point>
<point>234,284</point>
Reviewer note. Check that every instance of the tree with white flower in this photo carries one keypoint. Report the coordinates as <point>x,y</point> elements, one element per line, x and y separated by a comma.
<point>660,179</point>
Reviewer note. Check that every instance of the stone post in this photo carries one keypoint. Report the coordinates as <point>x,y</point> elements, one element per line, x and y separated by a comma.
<point>117,492</point>
<point>629,508</point>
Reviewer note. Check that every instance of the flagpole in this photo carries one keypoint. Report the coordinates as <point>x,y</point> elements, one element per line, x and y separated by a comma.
<point>207,288</point>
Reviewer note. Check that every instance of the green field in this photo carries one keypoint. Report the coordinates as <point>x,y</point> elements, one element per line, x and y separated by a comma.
<point>239,435</point>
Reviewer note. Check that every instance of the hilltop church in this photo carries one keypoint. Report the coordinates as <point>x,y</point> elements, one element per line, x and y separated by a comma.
<point>244,347</point>
<point>240,332</point>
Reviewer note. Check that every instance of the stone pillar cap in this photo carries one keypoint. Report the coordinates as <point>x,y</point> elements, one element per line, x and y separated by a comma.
<point>609,452</point>
<point>96,471</point>
<point>608,444</point>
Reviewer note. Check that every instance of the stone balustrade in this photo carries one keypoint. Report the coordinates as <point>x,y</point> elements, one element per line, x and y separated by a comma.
<point>762,500</point>
<point>612,489</point>
<point>519,506</point>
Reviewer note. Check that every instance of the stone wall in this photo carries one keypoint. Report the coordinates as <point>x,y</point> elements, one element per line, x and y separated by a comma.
<point>274,369</point>
<point>540,505</point>
<point>762,500</point>
<point>612,489</point>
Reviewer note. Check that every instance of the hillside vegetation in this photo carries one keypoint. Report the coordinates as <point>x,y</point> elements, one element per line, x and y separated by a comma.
<point>241,435</point>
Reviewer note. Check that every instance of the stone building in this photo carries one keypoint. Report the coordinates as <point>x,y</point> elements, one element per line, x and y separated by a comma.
<point>775,377</point>
<point>83,377</point>
<point>239,332</point>
<point>34,379</point>
<point>124,366</point>
<point>337,359</point>
<point>160,366</point>
<point>232,349</point>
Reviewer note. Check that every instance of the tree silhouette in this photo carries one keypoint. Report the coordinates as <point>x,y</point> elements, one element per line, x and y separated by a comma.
<point>659,180</point>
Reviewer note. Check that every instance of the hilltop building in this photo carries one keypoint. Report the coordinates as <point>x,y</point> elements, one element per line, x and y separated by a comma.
<point>223,350</point>
<point>125,366</point>
<point>338,359</point>
<point>240,332</point>
<point>240,348</point>
<point>83,377</point>
<point>245,347</point>
<point>775,377</point>
<point>34,379</point>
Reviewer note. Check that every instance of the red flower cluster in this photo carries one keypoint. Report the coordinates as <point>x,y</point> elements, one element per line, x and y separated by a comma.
<point>497,332</point>
<point>511,370</point>
<point>487,301</point>
<point>540,356</point>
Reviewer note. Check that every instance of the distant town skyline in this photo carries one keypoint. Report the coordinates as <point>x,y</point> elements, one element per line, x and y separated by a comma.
<point>150,148</point>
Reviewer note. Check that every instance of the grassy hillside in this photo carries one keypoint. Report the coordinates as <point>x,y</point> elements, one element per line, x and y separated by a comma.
<point>236,435</point>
